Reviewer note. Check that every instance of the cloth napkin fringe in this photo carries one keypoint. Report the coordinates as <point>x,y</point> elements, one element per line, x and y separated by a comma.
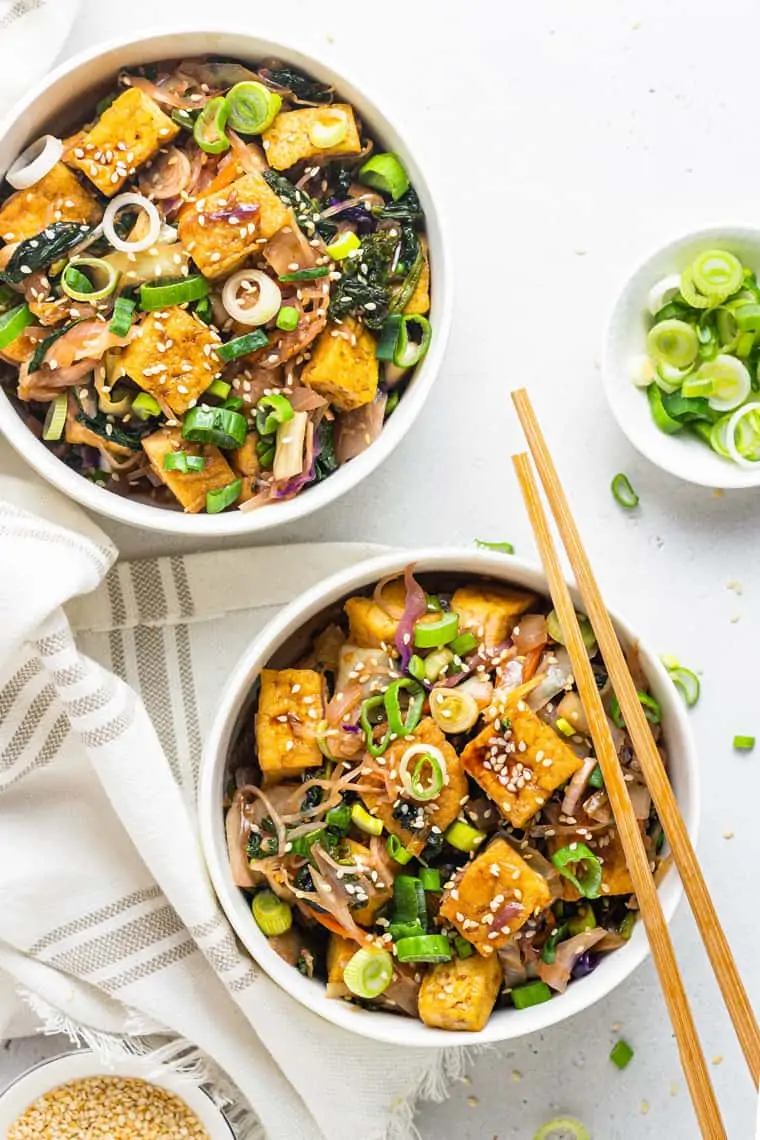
<point>435,1085</point>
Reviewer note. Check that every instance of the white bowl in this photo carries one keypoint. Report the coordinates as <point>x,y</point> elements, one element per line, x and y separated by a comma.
<point>682,454</point>
<point>48,1075</point>
<point>283,639</point>
<point>50,104</point>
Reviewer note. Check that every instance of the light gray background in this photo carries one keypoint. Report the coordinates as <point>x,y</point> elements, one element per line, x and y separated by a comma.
<point>564,138</point>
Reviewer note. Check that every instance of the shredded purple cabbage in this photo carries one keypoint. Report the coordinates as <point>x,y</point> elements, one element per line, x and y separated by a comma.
<point>240,210</point>
<point>586,964</point>
<point>416,606</point>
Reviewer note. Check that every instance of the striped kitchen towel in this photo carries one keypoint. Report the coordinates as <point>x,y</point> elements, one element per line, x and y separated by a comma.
<point>108,924</point>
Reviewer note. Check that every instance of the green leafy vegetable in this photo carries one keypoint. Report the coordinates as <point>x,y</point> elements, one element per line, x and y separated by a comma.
<point>304,88</point>
<point>42,347</point>
<point>407,209</point>
<point>41,250</point>
<point>326,461</point>
<point>365,281</point>
<point>303,205</point>
<point>114,434</point>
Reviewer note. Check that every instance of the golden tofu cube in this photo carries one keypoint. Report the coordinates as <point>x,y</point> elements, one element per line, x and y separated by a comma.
<point>290,708</point>
<point>244,459</point>
<point>128,133</point>
<point>461,994</point>
<point>362,857</point>
<point>58,197</point>
<point>181,369</point>
<point>369,625</point>
<point>438,813</point>
<point>490,611</point>
<point>343,366</point>
<point>288,140</point>
<point>519,780</point>
<point>340,951</point>
<point>493,896</point>
<point>218,245</point>
<point>189,488</point>
<point>419,302</point>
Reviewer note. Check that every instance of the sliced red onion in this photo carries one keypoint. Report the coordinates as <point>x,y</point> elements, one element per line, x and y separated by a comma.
<point>416,606</point>
<point>577,786</point>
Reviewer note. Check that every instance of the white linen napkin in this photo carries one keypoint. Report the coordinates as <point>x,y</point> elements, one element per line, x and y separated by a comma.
<point>31,35</point>
<point>108,924</point>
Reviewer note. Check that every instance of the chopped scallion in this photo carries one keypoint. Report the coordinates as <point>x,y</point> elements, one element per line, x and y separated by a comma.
<point>623,493</point>
<point>621,1054</point>
<point>532,993</point>
<point>500,547</point>
<point>744,743</point>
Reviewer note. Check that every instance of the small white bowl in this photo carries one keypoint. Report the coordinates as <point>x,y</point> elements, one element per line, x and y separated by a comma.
<point>49,1075</point>
<point>284,639</point>
<point>625,340</point>
<point>68,90</point>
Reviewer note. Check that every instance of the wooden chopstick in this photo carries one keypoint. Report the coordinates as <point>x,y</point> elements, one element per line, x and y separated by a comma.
<point>719,952</point>
<point>692,1057</point>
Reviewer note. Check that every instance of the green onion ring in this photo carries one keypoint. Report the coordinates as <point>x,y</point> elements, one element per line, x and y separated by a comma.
<point>622,491</point>
<point>98,265</point>
<point>431,758</point>
<point>717,271</point>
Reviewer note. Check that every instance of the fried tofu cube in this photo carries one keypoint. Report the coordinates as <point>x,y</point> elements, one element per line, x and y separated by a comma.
<point>340,951</point>
<point>290,708</point>
<point>289,139</point>
<point>490,611</point>
<point>343,366</point>
<point>181,369</point>
<point>461,994</point>
<point>383,890</point>
<point>128,133</point>
<point>422,817</point>
<point>58,197</point>
<point>519,780</point>
<point>419,302</point>
<point>218,245</point>
<point>493,896</point>
<point>189,488</point>
<point>369,625</point>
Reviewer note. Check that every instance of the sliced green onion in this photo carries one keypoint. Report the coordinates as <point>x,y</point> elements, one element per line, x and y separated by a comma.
<point>563,1128</point>
<point>369,973</point>
<point>385,172</point>
<point>271,411</point>
<point>730,382</point>
<point>185,119</point>
<point>621,1054</point>
<point>329,130</point>
<point>223,497</point>
<point>596,779</point>
<point>549,948</point>
<point>554,629</point>
<point>717,271</point>
<point>122,316</point>
<point>366,822</point>
<point>305,274</point>
<point>339,818</point>
<point>626,926</point>
<point>651,708</point>
<point>425,782</point>
<point>661,418</point>
<point>744,743</point>
<point>13,323</point>
<point>623,493</point>
<point>273,915</point>
<point>695,386</point>
<point>400,344</point>
<point>208,128</point>
<point>463,948</point>
<point>409,903</point>
<point>251,107</point>
<point>424,948</point>
<point>564,726</point>
<point>234,404</point>
<point>396,850</point>
<point>204,310</point>
<point>584,919</point>
<point>532,993</point>
<point>398,725</point>
<point>144,406</point>
<point>217,426</point>
<point>287,318</point>
<point>430,879</point>
<point>416,667</point>
<point>695,297</point>
<point>432,634</point>
<point>463,644</point>
<point>686,681</point>
<point>673,342</point>
<point>343,245</point>
<point>55,418</point>
<point>580,866</point>
<point>437,662</point>
<point>499,547</point>
<point>163,294</point>
<point>78,285</point>
<point>181,461</point>
<point>241,345</point>
<point>453,710</point>
<point>685,410</point>
<point>219,388</point>
<point>463,837</point>
<point>741,436</point>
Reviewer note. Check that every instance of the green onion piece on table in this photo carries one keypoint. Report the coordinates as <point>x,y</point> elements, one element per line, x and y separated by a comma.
<point>385,172</point>
<point>78,285</point>
<point>305,274</point>
<point>500,547</point>
<point>209,127</point>
<point>463,837</point>
<point>55,418</point>
<point>216,426</point>
<point>271,411</point>
<point>219,388</point>
<point>430,878</point>
<point>424,948</point>
<point>623,493</point>
<point>287,318</point>
<point>144,406</point>
<point>432,634</point>
<point>396,850</point>
<point>621,1054</point>
<point>273,916</point>
<point>223,497</point>
<point>162,294</point>
<point>241,345</point>
<point>122,316</point>
<point>580,866</point>
<point>13,323</point>
<point>563,1128</point>
<point>251,107</point>
<point>685,680</point>
<point>366,822</point>
<point>369,973</point>
<point>744,743</point>
<point>532,993</point>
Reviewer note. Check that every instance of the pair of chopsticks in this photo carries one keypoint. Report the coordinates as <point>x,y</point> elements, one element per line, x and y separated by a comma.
<point>718,950</point>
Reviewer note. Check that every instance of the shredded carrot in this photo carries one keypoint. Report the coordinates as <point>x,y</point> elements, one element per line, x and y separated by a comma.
<point>531,662</point>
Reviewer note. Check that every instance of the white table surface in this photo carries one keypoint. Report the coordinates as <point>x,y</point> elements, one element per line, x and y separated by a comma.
<point>564,139</point>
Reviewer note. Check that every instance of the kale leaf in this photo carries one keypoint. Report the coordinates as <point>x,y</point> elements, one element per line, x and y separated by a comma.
<point>365,281</point>
<point>118,435</point>
<point>290,79</point>
<point>41,250</point>
<point>407,209</point>
<point>303,205</point>
<point>326,461</point>
<point>258,846</point>
<point>42,347</point>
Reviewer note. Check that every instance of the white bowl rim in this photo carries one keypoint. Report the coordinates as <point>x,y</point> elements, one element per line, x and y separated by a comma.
<point>388,1027</point>
<point>167,521</point>
<point>51,1072</point>
<point>687,459</point>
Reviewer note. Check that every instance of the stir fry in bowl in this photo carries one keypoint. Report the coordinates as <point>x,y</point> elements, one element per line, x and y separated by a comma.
<point>416,813</point>
<point>214,290</point>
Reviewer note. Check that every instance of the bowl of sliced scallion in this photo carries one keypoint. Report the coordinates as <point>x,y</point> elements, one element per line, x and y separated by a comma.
<point>681,364</point>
